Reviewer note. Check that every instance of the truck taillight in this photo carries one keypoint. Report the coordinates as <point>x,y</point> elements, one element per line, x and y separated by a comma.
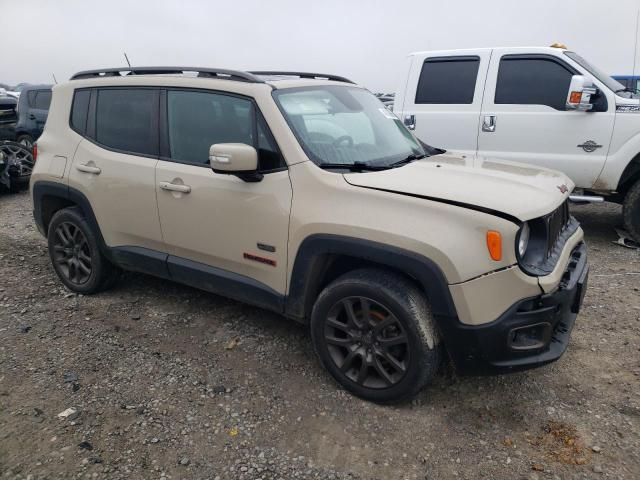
<point>34,152</point>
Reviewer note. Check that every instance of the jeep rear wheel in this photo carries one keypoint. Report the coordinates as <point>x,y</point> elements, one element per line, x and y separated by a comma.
<point>631,211</point>
<point>75,255</point>
<point>373,331</point>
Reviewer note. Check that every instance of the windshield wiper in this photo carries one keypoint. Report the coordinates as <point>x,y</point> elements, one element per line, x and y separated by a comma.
<point>355,166</point>
<point>626,89</point>
<point>409,159</point>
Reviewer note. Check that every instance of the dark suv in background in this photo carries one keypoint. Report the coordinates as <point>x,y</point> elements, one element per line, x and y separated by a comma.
<point>33,108</point>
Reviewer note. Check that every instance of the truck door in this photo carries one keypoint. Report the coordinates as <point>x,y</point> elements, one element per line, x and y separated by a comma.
<point>524,117</point>
<point>443,98</point>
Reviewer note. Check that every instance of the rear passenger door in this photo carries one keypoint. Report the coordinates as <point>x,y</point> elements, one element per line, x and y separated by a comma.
<point>445,106</point>
<point>114,164</point>
<point>221,227</point>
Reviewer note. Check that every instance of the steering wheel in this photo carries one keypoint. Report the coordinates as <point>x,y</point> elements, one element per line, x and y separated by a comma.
<point>344,138</point>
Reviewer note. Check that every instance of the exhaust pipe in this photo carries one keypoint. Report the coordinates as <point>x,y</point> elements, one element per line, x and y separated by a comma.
<point>582,199</point>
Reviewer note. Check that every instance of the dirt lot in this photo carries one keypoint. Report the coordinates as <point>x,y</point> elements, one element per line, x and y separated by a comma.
<point>168,381</point>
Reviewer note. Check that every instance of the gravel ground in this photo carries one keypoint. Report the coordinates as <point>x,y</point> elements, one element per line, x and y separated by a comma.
<point>166,381</point>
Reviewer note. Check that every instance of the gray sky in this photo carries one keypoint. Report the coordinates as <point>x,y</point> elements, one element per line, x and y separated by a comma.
<point>363,40</point>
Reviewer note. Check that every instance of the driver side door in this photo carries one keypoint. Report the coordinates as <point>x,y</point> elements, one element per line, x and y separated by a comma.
<point>524,118</point>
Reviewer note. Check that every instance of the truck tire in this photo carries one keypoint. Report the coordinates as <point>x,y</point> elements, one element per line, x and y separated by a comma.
<point>75,255</point>
<point>631,211</point>
<point>374,332</point>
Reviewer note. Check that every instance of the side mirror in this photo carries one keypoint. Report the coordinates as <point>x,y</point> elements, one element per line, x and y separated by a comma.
<point>237,159</point>
<point>580,92</point>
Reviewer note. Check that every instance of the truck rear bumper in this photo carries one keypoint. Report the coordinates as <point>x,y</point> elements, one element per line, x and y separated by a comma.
<point>531,333</point>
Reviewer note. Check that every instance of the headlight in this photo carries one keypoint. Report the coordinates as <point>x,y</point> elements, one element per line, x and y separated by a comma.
<point>523,239</point>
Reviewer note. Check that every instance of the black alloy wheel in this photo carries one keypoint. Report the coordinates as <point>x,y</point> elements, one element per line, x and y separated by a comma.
<point>72,254</point>
<point>367,342</point>
<point>374,333</point>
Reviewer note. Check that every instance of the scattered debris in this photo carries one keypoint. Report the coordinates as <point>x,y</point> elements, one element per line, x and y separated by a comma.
<point>85,446</point>
<point>233,343</point>
<point>562,443</point>
<point>70,413</point>
<point>625,240</point>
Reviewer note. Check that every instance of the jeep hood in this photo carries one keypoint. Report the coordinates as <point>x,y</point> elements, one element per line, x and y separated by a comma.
<point>512,190</point>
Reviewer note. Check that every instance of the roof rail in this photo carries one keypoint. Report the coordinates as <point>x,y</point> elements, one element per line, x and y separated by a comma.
<point>202,72</point>
<point>322,76</point>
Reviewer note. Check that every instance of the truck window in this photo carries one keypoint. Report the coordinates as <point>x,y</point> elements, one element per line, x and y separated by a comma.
<point>448,80</point>
<point>532,81</point>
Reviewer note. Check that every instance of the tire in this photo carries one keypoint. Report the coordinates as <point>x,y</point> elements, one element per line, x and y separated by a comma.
<point>391,357</point>
<point>75,254</point>
<point>26,140</point>
<point>631,211</point>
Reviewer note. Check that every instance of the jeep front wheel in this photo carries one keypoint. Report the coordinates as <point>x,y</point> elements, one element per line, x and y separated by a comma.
<point>631,211</point>
<point>374,333</point>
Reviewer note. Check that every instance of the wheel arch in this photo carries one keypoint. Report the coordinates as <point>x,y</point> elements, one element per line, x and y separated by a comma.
<point>322,258</point>
<point>50,197</point>
<point>629,176</point>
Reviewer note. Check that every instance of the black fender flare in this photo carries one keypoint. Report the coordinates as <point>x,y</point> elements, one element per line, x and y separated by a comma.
<point>45,188</point>
<point>314,248</point>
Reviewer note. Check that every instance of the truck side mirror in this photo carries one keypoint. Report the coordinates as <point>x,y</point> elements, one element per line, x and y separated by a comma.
<point>580,91</point>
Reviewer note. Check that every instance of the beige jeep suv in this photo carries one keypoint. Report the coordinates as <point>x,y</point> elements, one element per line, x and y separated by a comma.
<point>302,194</point>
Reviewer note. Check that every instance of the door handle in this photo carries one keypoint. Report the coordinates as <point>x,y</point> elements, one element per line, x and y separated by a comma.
<point>88,169</point>
<point>410,122</point>
<point>489,123</point>
<point>174,187</point>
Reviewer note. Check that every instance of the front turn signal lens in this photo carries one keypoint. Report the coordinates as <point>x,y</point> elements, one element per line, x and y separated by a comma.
<point>575,98</point>
<point>494,244</point>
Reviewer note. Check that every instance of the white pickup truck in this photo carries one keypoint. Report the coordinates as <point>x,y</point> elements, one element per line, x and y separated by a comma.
<point>546,105</point>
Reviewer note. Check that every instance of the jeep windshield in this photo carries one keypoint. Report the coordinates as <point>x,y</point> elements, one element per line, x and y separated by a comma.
<point>347,127</point>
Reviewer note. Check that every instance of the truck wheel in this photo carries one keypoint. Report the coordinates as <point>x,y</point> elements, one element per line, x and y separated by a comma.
<point>374,332</point>
<point>631,211</point>
<point>75,255</point>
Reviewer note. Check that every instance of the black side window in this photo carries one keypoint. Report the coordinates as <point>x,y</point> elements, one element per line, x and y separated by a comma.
<point>43,100</point>
<point>197,120</point>
<point>31,96</point>
<point>532,81</point>
<point>448,80</point>
<point>269,156</point>
<point>79,110</point>
<point>126,120</point>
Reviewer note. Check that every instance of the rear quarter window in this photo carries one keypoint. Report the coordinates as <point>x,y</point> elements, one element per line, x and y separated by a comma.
<point>79,110</point>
